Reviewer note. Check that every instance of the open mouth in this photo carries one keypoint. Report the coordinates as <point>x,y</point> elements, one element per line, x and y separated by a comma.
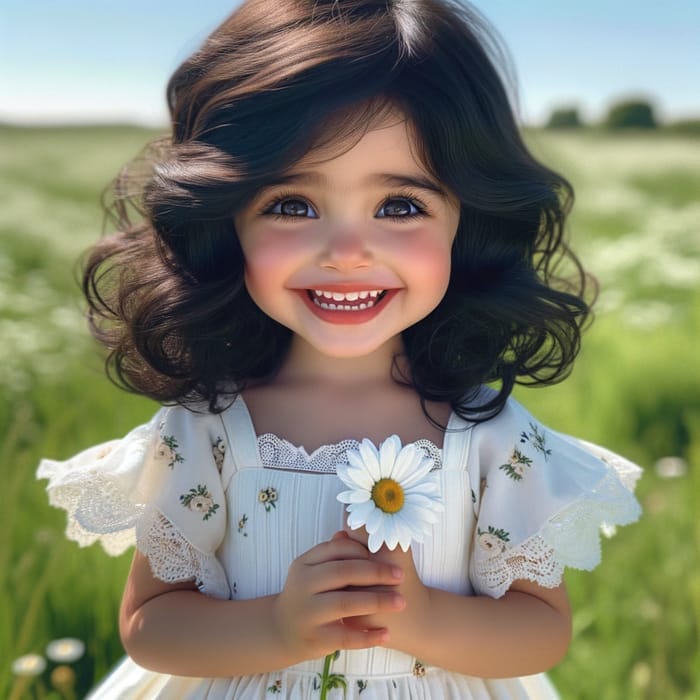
<point>346,301</point>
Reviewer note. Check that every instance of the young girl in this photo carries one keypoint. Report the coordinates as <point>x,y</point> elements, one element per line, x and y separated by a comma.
<point>346,261</point>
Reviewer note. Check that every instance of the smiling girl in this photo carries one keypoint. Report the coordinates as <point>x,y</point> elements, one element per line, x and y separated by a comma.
<point>346,262</point>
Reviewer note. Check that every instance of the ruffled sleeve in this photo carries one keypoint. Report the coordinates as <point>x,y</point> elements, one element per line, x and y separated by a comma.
<point>160,488</point>
<point>542,501</point>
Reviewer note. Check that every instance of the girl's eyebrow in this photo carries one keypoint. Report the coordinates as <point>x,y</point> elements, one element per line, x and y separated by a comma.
<point>418,181</point>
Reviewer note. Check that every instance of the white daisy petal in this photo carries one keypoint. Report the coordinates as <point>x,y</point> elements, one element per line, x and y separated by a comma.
<point>405,463</point>
<point>358,514</point>
<point>418,515</point>
<point>374,521</point>
<point>391,535</point>
<point>429,489</point>
<point>355,496</point>
<point>354,460</point>
<point>420,473</point>
<point>375,542</point>
<point>388,453</point>
<point>370,458</point>
<point>355,475</point>
<point>405,531</point>
<point>419,500</point>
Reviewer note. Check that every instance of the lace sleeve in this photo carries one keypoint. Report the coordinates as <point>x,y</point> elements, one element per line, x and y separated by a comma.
<point>545,500</point>
<point>102,490</point>
<point>159,488</point>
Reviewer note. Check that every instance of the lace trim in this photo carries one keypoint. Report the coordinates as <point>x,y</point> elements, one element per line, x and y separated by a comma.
<point>276,452</point>
<point>173,559</point>
<point>97,509</point>
<point>570,538</point>
<point>532,560</point>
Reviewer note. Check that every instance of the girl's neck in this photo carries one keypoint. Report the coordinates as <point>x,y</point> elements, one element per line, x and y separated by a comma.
<point>317,400</point>
<point>306,366</point>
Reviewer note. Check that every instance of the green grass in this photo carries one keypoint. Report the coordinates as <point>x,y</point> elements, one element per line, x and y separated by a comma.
<point>635,388</point>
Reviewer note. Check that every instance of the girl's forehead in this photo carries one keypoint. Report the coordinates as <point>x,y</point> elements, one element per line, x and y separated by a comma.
<point>345,130</point>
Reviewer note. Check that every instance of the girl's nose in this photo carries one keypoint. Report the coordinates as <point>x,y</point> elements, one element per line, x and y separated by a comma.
<point>346,250</point>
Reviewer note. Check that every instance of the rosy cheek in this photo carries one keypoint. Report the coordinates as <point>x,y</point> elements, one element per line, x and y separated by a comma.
<point>270,256</point>
<point>427,250</point>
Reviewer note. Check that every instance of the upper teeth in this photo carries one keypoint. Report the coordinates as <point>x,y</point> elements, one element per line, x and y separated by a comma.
<point>348,296</point>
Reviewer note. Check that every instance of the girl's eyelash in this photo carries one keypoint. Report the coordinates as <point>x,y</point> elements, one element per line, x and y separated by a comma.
<point>267,208</point>
<point>411,197</point>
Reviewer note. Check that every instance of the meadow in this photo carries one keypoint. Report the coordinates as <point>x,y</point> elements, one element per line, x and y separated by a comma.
<point>635,388</point>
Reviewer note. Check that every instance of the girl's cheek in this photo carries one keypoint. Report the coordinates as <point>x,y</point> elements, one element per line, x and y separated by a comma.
<point>426,249</point>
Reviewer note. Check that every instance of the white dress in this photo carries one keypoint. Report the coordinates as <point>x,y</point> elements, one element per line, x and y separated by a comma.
<point>206,499</point>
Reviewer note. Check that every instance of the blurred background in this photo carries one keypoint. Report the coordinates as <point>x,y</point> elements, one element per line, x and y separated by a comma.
<point>607,93</point>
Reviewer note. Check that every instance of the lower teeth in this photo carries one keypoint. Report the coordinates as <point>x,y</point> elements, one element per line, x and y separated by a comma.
<point>343,307</point>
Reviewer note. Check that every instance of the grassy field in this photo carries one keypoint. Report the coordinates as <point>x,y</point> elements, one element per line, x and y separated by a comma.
<point>636,388</point>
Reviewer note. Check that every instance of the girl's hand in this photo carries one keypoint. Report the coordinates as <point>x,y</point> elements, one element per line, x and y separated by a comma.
<point>335,580</point>
<point>416,613</point>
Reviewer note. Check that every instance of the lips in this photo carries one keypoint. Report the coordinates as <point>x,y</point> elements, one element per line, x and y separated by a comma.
<point>351,306</point>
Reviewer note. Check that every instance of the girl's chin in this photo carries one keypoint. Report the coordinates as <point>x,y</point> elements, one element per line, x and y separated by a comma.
<point>381,348</point>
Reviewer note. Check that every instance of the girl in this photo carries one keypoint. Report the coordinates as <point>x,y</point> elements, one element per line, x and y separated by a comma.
<point>346,260</point>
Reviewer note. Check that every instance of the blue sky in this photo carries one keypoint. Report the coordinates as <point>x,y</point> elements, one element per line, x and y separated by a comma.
<point>98,60</point>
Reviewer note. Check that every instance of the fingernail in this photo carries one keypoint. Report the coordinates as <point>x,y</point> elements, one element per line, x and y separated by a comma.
<point>397,572</point>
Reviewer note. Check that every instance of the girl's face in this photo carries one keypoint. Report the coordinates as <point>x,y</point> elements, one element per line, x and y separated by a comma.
<point>350,251</point>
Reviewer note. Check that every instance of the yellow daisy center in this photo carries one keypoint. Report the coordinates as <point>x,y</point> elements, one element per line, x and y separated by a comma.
<point>387,495</point>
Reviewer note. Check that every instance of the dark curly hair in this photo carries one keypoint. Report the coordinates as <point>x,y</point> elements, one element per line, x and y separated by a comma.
<point>277,79</point>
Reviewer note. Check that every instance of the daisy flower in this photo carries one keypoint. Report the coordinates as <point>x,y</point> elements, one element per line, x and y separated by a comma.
<point>65,651</point>
<point>29,665</point>
<point>393,493</point>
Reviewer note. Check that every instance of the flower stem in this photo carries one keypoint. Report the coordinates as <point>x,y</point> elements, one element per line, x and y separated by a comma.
<point>326,673</point>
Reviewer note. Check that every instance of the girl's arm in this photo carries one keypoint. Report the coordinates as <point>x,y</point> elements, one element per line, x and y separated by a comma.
<point>173,628</point>
<point>526,631</point>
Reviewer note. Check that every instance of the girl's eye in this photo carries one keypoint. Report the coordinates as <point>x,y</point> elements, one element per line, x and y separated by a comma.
<point>398,207</point>
<point>292,207</point>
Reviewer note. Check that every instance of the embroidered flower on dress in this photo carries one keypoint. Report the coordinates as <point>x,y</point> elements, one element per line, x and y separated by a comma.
<point>242,524</point>
<point>515,467</point>
<point>537,439</point>
<point>393,493</point>
<point>200,500</point>
<point>493,540</point>
<point>419,669</point>
<point>167,451</point>
<point>361,685</point>
<point>218,450</point>
<point>268,497</point>
<point>276,687</point>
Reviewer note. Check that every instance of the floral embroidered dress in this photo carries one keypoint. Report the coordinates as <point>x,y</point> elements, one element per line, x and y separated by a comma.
<point>205,498</point>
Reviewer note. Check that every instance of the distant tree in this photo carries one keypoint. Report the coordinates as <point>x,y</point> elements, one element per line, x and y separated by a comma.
<point>564,118</point>
<point>631,114</point>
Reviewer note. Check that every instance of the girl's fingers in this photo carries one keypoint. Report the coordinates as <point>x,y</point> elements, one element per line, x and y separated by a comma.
<point>360,535</point>
<point>343,637</point>
<point>339,547</point>
<point>359,622</point>
<point>336,605</point>
<point>359,573</point>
